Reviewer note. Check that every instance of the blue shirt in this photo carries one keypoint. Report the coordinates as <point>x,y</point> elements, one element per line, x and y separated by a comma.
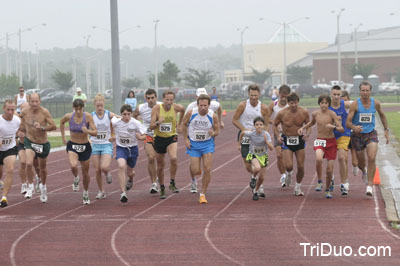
<point>365,117</point>
<point>132,102</point>
<point>341,111</point>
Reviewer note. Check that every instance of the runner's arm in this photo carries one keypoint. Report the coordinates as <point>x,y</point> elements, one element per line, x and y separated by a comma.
<point>93,130</point>
<point>50,124</point>
<point>349,121</point>
<point>154,117</point>
<point>338,126</point>
<point>64,120</point>
<point>265,114</point>
<point>239,111</point>
<point>216,126</point>
<point>383,119</point>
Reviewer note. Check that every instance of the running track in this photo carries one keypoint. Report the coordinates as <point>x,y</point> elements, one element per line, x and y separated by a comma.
<point>231,229</point>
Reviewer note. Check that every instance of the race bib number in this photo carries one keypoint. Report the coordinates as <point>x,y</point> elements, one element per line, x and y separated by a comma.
<point>293,140</point>
<point>6,141</point>
<point>200,135</point>
<point>79,148</point>
<point>101,135</point>
<point>259,149</point>
<point>38,148</point>
<point>125,140</point>
<point>166,127</point>
<point>245,140</point>
<point>365,118</point>
<point>320,143</point>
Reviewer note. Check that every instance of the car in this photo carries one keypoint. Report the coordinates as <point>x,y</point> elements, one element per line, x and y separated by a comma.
<point>46,91</point>
<point>30,91</point>
<point>186,94</point>
<point>58,97</point>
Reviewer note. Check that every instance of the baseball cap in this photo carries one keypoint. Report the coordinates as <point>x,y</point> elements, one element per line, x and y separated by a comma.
<point>201,91</point>
<point>78,89</point>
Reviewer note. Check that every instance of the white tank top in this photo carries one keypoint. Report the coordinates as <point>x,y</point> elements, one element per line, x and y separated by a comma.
<point>200,125</point>
<point>214,105</point>
<point>277,108</point>
<point>125,133</point>
<point>103,128</point>
<point>20,100</point>
<point>8,130</point>
<point>145,113</point>
<point>250,112</point>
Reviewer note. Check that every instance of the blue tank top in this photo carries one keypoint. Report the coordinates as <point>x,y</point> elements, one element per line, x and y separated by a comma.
<point>77,128</point>
<point>365,117</point>
<point>214,97</point>
<point>341,111</point>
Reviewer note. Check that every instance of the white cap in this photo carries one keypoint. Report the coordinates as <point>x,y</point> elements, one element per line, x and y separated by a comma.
<point>78,89</point>
<point>201,91</point>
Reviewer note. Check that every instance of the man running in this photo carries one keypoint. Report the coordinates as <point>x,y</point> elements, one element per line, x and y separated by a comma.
<point>200,127</point>
<point>361,120</point>
<point>20,98</point>
<point>144,111</point>
<point>164,124</point>
<point>243,119</point>
<point>273,108</point>
<point>292,119</point>
<point>35,122</point>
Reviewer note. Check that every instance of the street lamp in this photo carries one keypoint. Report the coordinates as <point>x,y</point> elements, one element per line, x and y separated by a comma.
<point>355,44</point>
<point>155,56</point>
<point>284,25</point>
<point>338,45</point>
<point>241,45</point>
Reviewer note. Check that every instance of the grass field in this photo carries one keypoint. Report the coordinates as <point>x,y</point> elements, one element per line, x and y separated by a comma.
<point>394,123</point>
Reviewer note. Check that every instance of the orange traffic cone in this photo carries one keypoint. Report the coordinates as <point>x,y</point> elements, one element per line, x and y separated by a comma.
<point>377,178</point>
<point>224,113</point>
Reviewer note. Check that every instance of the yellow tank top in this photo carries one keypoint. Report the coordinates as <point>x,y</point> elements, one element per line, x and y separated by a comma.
<point>167,128</point>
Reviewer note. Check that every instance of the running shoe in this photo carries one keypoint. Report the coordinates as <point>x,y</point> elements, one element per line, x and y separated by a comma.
<point>129,184</point>
<point>297,191</point>
<point>253,182</point>
<point>100,195</point>
<point>260,191</point>
<point>319,186</point>
<point>255,196</point>
<point>365,176</point>
<point>4,202</point>
<point>288,179</point>
<point>173,187</point>
<point>154,188</point>
<point>328,194</point>
<point>162,193</point>
<point>43,193</point>
<point>86,199</point>
<point>24,188</point>
<point>332,185</point>
<point>283,182</point>
<point>369,192</point>
<point>124,197</point>
<point>355,170</point>
<point>202,199</point>
<point>193,187</point>
<point>75,185</point>
<point>38,182</point>
<point>109,178</point>
<point>29,191</point>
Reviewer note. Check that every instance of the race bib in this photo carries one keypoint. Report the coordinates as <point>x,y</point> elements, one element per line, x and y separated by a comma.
<point>200,135</point>
<point>245,140</point>
<point>125,140</point>
<point>6,141</point>
<point>293,140</point>
<point>166,127</point>
<point>101,135</point>
<point>79,148</point>
<point>365,118</point>
<point>38,148</point>
<point>320,143</point>
<point>259,149</point>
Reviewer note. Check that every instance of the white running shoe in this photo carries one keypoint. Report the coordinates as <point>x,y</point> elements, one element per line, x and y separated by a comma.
<point>75,185</point>
<point>365,176</point>
<point>124,197</point>
<point>29,191</point>
<point>43,194</point>
<point>193,187</point>
<point>355,170</point>
<point>154,188</point>
<point>101,195</point>
<point>288,179</point>
<point>369,192</point>
<point>86,199</point>
<point>283,180</point>
<point>297,190</point>
<point>109,178</point>
<point>24,188</point>
<point>38,182</point>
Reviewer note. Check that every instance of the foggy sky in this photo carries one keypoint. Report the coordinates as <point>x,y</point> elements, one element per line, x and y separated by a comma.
<point>197,23</point>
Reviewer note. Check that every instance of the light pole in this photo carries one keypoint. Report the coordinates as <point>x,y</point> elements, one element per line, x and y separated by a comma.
<point>241,46</point>
<point>116,78</point>
<point>88,81</point>
<point>355,44</point>
<point>37,67</point>
<point>155,57</point>
<point>338,45</point>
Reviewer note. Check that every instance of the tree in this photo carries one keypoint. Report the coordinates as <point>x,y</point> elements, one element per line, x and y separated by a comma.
<point>260,77</point>
<point>9,85</point>
<point>198,78</point>
<point>29,83</point>
<point>131,82</point>
<point>169,76</point>
<point>360,69</point>
<point>64,80</point>
<point>299,74</point>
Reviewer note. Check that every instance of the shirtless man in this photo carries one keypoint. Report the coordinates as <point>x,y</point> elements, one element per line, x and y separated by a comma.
<point>325,145</point>
<point>35,122</point>
<point>243,119</point>
<point>292,119</point>
<point>273,108</point>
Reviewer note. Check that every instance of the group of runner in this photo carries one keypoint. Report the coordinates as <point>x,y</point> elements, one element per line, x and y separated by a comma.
<point>339,124</point>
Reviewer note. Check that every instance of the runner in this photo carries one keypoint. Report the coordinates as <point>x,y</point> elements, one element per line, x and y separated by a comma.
<point>144,111</point>
<point>243,119</point>
<point>20,98</point>
<point>163,122</point>
<point>9,125</point>
<point>260,142</point>
<point>292,119</point>
<point>200,127</point>
<point>102,148</point>
<point>128,130</point>
<point>81,125</point>
<point>35,122</point>
<point>325,145</point>
<point>361,120</point>
<point>273,108</point>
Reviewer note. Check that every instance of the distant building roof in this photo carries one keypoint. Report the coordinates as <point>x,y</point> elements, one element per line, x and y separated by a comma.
<point>291,33</point>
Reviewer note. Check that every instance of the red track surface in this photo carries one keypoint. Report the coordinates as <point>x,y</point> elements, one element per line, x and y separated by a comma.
<point>231,229</point>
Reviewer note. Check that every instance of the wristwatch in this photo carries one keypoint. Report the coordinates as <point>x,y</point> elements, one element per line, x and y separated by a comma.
<point>386,129</point>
